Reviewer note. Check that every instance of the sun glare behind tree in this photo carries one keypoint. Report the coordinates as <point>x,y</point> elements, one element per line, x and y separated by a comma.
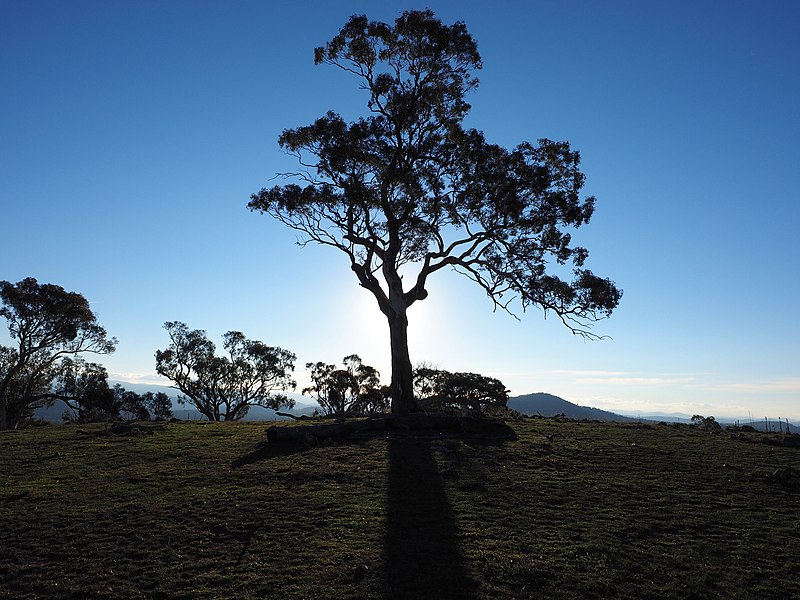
<point>407,191</point>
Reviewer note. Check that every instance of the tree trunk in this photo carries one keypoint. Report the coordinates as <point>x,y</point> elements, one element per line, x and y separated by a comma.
<point>4,385</point>
<point>402,377</point>
<point>3,414</point>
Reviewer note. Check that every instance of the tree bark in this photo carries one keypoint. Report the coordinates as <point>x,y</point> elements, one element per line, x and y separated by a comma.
<point>3,414</point>
<point>4,385</point>
<point>402,387</point>
<point>394,305</point>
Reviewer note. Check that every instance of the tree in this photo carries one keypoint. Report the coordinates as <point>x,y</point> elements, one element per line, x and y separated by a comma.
<point>84,388</point>
<point>407,191</point>
<point>51,327</point>
<point>706,423</point>
<point>355,388</point>
<point>223,388</point>
<point>158,405</point>
<point>437,388</point>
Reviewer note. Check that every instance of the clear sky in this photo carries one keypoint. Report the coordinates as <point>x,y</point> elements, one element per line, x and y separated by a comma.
<point>133,133</point>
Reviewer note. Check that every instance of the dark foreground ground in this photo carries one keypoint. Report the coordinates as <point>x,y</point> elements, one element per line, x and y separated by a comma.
<point>566,510</point>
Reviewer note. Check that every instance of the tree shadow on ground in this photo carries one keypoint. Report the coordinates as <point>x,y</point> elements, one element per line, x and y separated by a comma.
<point>422,555</point>
<point>265,451</point>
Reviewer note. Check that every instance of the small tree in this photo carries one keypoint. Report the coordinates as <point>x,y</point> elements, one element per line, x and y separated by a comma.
<point>158,405</point>
<point>466,391</point>
<point>128,404</point>
<point>706,423</point>
<point>52,328</point>
<point>425,382</point>
<point>223,388</point>
<point>84,388</point>
<point>355,388</point>
<point>406,191</point>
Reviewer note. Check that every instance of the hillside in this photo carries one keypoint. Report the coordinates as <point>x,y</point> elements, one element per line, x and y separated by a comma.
<point>548,405</point>
<point>566,510</point>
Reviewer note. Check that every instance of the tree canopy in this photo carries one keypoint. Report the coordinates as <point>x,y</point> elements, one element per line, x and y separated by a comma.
<point>52,328</point>
<point>437,388</point>
<point>407,191</point>
<point>84,388</point>
<point>353,388</point>
<point>223,388</point>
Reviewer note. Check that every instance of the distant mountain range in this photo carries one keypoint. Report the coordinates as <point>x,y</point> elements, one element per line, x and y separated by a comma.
<point>186,412</point>
<point>540,403</point>
<point>548,405</point>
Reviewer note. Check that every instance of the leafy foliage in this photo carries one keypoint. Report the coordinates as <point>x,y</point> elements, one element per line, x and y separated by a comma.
<point>706,423</point>
<point>437,388</point>
<point>52,327</point>
<point>408,187</point>
<point>158,405</point>
<point>353,389</point>
<point>223,388</point>
<point>84,388</point>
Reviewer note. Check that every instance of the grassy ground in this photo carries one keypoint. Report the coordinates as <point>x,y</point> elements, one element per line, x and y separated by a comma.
<point>566,510</point>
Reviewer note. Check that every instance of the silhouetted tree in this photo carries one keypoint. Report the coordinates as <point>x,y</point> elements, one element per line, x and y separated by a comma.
<point>407,191</point>
<point>158,405</point>
<point>706,423</point>
<point>223,388</point>
<point>84,388</point>
<point>425,380</point>
<point>128,404</point>
<point>355,388</point>
<point>51,327</point>
<point>437,388</point>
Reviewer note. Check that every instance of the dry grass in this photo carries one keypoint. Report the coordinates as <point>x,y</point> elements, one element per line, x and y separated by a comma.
<point>566,510</point>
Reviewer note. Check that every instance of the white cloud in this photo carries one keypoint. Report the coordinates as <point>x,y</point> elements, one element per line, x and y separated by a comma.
<point>648,381</point>
<point>140,378</point>
<point>594,377</point>
<point>775,386</point>
<point>589,373</point>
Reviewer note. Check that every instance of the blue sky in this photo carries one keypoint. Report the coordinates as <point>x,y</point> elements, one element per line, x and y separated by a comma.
<point>133,133</point>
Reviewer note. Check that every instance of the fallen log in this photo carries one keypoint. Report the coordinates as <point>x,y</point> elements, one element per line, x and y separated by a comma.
<point>297,417</point>
<point>373,425</point>
<point>133,428</point>
<point>314,433</point>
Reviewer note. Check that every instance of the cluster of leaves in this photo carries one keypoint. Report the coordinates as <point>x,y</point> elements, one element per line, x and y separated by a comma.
<point>355,388</point>
<point>223,388</point>
<point>438,389</point>
<point>408,184</point>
